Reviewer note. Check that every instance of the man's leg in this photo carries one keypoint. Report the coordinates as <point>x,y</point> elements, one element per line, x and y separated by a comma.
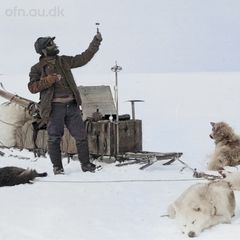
<point>76,127</point>
<point>55,130</point>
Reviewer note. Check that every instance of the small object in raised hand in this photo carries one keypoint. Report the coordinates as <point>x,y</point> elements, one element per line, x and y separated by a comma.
<point>97,24</point>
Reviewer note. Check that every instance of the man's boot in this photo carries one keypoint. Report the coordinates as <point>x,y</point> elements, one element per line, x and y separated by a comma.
<point>58,170</point>
<point>88,167</point>
<point>55,155</point>
<point>83,155</point>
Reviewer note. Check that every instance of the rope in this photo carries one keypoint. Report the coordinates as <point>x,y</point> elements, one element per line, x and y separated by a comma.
<point>204,175</point>
<point>121,181</point>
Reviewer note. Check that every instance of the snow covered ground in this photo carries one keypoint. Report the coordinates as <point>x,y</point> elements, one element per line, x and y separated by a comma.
<point>125,202</point>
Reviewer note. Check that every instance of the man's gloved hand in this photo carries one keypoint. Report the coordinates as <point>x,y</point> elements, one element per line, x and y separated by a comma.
<point>44,83</point>
<point>98,36</point>
<point>50,79</point>
<point>53,78</point>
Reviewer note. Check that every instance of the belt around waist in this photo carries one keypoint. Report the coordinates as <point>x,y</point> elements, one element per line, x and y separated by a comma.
<point>63,99</point>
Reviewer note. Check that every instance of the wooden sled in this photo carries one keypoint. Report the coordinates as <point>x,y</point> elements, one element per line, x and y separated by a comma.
<point>147,158</point>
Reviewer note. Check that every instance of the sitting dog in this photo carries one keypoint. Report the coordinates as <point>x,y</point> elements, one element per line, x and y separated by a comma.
<point>204,205</point>
<point>227,150</point>
<point>10,176</point>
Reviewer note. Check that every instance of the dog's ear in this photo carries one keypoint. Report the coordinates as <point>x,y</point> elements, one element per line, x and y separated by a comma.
<point>212,124</point>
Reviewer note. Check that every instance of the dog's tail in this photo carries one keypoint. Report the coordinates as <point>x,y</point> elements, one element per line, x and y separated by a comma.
<point>44,174</point>
<point>30,174</point>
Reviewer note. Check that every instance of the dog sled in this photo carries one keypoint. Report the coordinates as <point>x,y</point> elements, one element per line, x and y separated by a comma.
<point>146,159</point>
<point>111,136</point>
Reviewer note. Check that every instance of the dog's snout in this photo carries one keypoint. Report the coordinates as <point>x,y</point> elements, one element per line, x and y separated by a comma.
<point>192,234</point>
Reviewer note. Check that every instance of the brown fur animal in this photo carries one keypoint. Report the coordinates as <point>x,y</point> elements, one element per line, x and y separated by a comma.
<point>10,176</point>
<point>227,149</point>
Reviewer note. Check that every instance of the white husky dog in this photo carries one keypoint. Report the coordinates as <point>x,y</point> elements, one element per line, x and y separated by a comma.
<point>204,205</point>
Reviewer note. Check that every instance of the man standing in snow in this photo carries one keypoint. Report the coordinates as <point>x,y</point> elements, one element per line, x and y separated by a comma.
<point>60,98</point>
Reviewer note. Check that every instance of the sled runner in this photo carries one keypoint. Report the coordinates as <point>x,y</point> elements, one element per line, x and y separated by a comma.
<point>147,158</point>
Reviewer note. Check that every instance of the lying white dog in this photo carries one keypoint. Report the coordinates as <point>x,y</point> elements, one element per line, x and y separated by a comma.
<point>205,204</point>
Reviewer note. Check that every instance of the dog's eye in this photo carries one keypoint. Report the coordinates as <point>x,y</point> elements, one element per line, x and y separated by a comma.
<point>193,221</point>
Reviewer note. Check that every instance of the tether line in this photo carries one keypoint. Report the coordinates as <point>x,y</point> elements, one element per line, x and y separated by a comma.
<point>122,181</point>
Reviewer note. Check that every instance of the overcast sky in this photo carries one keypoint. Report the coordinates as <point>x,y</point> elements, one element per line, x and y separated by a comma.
<point>144,36</point>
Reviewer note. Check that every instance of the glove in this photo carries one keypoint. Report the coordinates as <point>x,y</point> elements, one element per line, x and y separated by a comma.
<point>98,36</point>
<point>43,83</point>
<point>50,79</point>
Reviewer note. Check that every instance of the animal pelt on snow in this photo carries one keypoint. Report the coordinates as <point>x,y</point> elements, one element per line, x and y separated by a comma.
<point>10,176</point>
<point>227,147</point>
<point>204,205</point>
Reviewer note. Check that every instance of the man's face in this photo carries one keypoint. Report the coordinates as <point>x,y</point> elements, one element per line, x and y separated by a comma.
<point>51,48</point>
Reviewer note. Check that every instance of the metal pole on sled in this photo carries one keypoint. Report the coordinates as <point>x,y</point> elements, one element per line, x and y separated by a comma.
<point>133,106</point>
<point>116,69</point>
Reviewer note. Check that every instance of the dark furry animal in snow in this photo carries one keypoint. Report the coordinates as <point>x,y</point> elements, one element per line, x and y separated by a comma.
<point>10,176</point>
